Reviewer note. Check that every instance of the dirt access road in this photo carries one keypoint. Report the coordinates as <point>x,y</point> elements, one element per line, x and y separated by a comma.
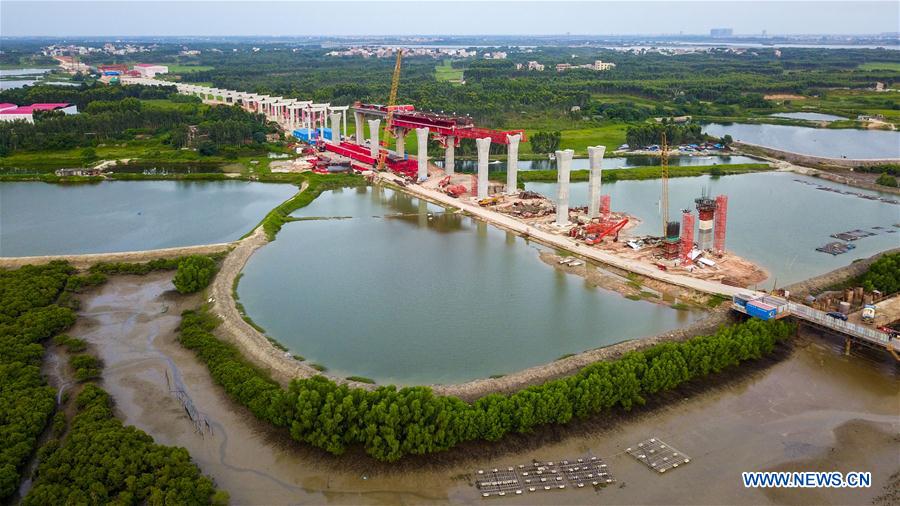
<point>563,242</point>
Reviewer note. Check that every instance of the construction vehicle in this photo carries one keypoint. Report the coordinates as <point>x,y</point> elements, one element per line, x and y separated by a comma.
<point>391,106</point>
<point>868,313</point>
<point>456,190</point>
<point>444,182</point>
<point>593,233</point>
<point>490,201</point>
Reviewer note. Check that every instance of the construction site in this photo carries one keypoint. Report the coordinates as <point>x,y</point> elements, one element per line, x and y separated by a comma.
<point>689,251</point>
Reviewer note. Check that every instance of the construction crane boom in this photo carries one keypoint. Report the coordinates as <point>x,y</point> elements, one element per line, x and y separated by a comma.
<point>664,200</point>
<point>392,103</point>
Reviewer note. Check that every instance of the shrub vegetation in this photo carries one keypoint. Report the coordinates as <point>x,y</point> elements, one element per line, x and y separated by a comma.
<point>390,423</point>
<point>883,275</point>
<point>194,273</point>
<point>102,461</point>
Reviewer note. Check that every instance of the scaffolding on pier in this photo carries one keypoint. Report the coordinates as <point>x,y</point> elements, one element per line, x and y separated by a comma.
<point>687,235</point>
<point>721,219</point>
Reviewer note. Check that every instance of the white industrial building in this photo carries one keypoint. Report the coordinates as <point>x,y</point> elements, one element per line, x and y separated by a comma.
<point>150,70</point>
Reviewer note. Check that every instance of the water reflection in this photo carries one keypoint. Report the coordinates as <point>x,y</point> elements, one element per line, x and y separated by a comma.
<point>469,301</point>
<point>610,163</point>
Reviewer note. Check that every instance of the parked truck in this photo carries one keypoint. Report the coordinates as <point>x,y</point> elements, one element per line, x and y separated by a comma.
<point>868,313</point>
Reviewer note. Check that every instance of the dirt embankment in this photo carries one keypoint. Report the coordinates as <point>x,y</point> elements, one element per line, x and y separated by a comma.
<point>831,169</point>
<point>563,367</point>
<point>85,261</point>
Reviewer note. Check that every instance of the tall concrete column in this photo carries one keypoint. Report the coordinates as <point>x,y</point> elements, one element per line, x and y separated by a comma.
<point>450,155</point>
<point>358,121</point>
<point>374,125</point>
<point>595,154</point>
<point>563,168</point>
<point>422,152</point>
<point>512,163</point>
<point>336,127</point>
<point>401,141</point>
<point>484,151</point>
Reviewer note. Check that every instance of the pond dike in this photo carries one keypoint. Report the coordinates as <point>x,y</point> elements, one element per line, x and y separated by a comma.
<point>86,260</point>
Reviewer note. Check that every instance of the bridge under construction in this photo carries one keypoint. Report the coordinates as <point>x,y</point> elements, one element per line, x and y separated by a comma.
<point>768,307</point>
<point>311,120</point>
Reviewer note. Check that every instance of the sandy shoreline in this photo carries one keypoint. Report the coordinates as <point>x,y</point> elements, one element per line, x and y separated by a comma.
<point>86,260</point>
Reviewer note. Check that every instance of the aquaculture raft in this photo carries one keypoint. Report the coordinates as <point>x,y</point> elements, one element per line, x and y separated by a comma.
<point>658,455</point>
<point>836,248</point>
<point>543,476</point>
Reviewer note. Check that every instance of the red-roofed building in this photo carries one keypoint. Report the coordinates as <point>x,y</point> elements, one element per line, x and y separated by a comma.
<point>111,70</point>
<point>12,112</point>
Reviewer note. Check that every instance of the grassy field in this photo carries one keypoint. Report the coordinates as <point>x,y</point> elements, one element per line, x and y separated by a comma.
<point>611,135</point>
<point>875,65</point>
<point>445,72</point>
<point>850,103</point>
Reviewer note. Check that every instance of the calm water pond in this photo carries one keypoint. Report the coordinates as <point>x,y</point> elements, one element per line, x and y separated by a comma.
<point>810,116</point>
<point>608,163</point>
<point>51,219</point>
<point>773,219</point>
<point>827,142</point>
<point>426,296</point>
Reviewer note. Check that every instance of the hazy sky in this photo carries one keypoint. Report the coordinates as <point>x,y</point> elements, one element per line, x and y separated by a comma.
<point>330,17</point>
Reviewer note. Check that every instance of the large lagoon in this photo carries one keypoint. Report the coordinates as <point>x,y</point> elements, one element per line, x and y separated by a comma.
<point>402,292</point>
<point>55,219</point>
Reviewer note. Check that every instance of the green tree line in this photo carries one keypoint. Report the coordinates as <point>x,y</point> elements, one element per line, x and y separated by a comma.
<point>28,316</point>
<point>390,423</point>
<point>100,460</point>
<point>651,133</point>
<point>883,275</point>
<point>115,118</point>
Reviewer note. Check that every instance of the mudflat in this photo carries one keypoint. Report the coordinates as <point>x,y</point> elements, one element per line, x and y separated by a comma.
<point>814,409</point>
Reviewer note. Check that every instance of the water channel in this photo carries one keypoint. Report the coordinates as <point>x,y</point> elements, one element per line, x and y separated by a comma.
<point>826,142</point>
<point>425,296</point>
<point>775,219</point>
<point>609,163</point>
<point>809,116</point>
<point>52,219</point>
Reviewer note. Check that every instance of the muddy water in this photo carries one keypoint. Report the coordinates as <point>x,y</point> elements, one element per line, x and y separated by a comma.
<point>815,410</point>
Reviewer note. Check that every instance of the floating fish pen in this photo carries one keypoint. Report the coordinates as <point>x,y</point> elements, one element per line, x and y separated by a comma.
<point>658,455</point>
<point>543,476</point>
<point>886,200</point>
<point>852,235</point>
<point>836,248</point>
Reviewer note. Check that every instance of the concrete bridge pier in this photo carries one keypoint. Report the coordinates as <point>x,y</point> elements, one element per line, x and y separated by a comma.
<point>336,127</point>
<point>512,163</point>
<point>450,155</point>
<point>595,154</point>
<point>374,125</point>
<point>563,168</point>
<point>400,134</point>
<point>358,121</point>
<point>484,151</point>
<point>422,152</point>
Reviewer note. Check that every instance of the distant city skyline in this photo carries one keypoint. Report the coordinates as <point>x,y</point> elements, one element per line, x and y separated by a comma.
<point>75,18</point>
